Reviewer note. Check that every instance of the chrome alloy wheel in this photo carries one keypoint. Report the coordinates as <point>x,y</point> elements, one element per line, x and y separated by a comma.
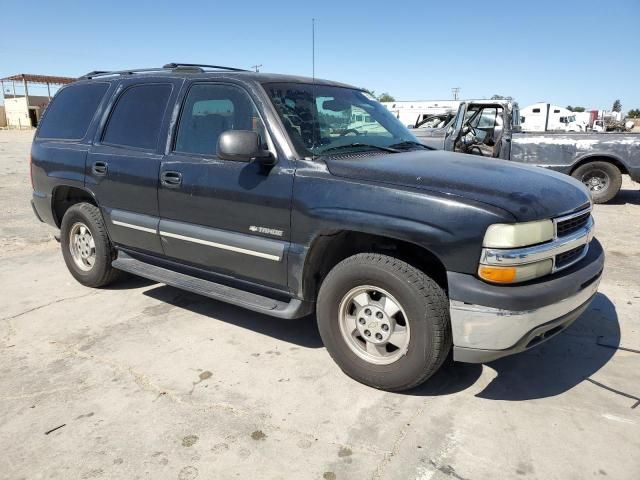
<point>596,180</point>
<point>82,246</point>
<point>374,325</point>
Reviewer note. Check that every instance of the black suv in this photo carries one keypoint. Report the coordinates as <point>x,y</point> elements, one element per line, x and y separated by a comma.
<point>282,194</point>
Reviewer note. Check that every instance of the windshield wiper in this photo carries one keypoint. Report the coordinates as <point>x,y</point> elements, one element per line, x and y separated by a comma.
<point>357,144</point>
<point>410,143</point>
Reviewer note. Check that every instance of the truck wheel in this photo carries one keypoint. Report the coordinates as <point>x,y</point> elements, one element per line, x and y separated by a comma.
<point>86,248</point>
<point>603,180</point>
<point>385,323</point>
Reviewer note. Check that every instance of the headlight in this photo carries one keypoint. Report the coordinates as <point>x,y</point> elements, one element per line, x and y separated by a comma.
<point>516,273</point>
<point>512,235</point>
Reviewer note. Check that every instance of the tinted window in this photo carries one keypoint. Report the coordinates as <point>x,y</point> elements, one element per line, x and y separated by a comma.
<point>137,116</point>
<point>70,113</point>
<point>210,110</point>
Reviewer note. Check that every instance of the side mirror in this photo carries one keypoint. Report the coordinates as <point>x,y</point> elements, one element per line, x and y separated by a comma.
<point>410,126</point>
<point>243,146</point>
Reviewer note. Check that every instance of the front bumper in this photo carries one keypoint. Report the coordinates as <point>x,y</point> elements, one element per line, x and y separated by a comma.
<point>492,321</point>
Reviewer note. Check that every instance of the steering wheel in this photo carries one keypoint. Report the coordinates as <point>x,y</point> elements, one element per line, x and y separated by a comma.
<point>348,131</point>
<point>470,129</point>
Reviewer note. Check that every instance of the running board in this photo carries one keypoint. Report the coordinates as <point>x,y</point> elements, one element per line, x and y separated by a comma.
<point>294,309</point>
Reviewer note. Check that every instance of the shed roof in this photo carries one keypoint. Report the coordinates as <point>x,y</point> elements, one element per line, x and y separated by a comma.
<point>40,79</point>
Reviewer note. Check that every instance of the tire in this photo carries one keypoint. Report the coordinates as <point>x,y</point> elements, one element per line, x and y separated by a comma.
<point>86,248</point>
<point>423,308</point>
<point>603,179</point>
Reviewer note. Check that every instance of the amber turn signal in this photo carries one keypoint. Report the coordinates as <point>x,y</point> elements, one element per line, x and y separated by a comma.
<point>497,274</point>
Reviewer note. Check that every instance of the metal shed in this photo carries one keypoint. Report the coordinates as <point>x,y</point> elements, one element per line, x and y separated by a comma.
<point>23,110</point>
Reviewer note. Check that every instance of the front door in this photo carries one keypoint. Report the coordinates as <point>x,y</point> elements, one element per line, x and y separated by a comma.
<point>228,217</point>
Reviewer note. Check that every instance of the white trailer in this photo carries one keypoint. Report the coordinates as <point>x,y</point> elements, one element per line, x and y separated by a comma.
<point>544,117</point>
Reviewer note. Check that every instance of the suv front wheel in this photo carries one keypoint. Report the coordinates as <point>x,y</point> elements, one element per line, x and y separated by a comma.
<point>86,248</point>
<point>383,321</point>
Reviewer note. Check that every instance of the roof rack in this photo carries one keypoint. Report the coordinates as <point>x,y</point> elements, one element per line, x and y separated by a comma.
<point>174,67</point>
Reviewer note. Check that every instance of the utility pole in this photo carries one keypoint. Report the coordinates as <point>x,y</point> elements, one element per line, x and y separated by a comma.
<point>256,67</point>
<point>455,91</point>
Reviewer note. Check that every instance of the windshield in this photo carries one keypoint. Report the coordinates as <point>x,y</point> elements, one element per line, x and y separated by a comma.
<point>322,119</point>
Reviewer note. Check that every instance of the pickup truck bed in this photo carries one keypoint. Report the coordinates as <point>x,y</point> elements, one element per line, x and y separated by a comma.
<point>563,151</point>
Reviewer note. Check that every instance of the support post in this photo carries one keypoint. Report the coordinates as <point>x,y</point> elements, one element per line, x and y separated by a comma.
<point>26,99</point>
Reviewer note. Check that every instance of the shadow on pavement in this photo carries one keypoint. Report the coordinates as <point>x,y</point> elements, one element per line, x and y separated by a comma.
<point>544,371</point>
<point>631,197</point>
<point>561,363</point>
<point>302,331</point>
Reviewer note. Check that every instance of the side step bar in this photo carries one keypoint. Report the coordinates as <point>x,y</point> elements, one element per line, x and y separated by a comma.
<point>294,309</point>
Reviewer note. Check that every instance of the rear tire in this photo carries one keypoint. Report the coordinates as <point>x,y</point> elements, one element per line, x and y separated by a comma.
<point>603,180</point>
<point>86,248</point>
<point>357,300</point>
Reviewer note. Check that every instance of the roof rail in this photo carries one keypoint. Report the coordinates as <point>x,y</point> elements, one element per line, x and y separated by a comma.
<point>104,73</point>
<point>174,66</point>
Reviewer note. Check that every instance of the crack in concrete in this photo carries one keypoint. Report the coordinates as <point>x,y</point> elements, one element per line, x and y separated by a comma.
<point>404,431</point>
<point>53,302</point>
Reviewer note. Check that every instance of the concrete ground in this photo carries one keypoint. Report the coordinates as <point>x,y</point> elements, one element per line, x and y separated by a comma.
<point>145,381</point>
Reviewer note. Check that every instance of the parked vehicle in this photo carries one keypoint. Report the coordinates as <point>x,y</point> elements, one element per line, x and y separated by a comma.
<point>411,113</point>
<point>491,128</point>
<point>431,129</point>
<point>544,117</point>
<point>266,192</point>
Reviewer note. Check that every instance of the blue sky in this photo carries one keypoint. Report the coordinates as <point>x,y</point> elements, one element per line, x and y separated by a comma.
<point>565,52</point>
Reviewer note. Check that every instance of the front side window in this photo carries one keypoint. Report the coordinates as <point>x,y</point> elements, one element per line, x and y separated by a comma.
<point>137,116</point>
<point>211,109</point>
<point>71,111</point>
<point>322,119</point>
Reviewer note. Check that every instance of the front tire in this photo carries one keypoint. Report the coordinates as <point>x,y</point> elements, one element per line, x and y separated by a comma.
<point>603,180</point>
<point>384,322</point>
<point>86,248</point>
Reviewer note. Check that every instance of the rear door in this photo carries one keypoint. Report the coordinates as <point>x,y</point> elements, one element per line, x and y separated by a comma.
<point>228,217</point>
<point>123,164</point>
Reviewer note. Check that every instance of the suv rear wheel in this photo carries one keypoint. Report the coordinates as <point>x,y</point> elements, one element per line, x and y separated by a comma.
<point>384,322</point>
<point>86,248</point>
<point>603,180</point>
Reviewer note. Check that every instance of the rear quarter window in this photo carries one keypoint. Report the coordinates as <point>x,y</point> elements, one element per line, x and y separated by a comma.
<point>137,116</point>
<point>70,112</point>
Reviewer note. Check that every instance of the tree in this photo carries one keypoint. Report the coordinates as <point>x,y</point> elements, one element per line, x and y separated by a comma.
<point>385,97</point>
<point>635,113</point>
<point>617,106</point>
<point>575,109</point>
<point>501,97</point>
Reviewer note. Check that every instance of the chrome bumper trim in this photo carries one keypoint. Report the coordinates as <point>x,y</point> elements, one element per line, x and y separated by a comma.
<point>477,326</point>
<point>549,250</point>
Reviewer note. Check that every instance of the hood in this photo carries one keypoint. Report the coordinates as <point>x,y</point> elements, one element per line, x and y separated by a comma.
<point>528,193</point>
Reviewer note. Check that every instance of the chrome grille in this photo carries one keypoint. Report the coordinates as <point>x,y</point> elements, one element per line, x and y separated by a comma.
<point>567,226</point>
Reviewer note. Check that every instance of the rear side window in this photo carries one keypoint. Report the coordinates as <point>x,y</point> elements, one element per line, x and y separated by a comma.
<point>70,113</point>
<point>137,116</point>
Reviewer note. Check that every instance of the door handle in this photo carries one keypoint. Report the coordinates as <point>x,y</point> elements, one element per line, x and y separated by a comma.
<point>99,168</point>
<point>171,179</point>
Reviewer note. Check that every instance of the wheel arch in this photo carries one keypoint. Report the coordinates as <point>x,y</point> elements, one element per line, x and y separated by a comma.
<point>329,249</point>
<point>65,196</point>
<point>600,157</point>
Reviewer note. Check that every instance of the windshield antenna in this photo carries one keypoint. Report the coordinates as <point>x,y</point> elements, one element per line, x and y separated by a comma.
<point>313,49</point>
<point>313,79</point>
